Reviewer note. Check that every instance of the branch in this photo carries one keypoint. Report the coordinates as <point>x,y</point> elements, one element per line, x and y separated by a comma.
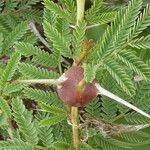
<point>103,91</point>
<point>107,128</point>
<point>37,33</point>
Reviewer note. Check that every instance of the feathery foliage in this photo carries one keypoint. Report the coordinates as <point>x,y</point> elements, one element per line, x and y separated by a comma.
<point>41,96</point>
<point>90,72</point>
<point>23,117</point>
<point>111,43</point>
<point>39,56</point>
<point>5,107</point>
<point>134,63</point>
<point>15,35</point>
<point>57,9</point>
<point>9,70</point>
<point>35,72</point>
<point>78,36</point>
<point>141,43</point>
<point>58,41</point>
<point>15,145</point>
<point>122,78</point>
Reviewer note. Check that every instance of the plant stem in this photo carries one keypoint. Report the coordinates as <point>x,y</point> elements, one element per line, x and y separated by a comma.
<point>74,110</point>
<point>80,10</point>
<point>74,121</point>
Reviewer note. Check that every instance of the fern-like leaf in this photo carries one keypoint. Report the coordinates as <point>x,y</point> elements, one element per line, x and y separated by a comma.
<point>63,27</point>
<point>15,35</point>
<point>136,118</point>
<point>46,135</point>
<point>117,34</point>
<point>142,23</point>
<point>141,43</point>
<point>92,12</point>
<point>15,144</point>
<point>5,107</point>
<point>59,145</point>
<point>103,18</point>
<point>109,107</point>
<point>39,56</point>
<point>24,120</point>
<point>70,6</point>
<point>42,96</point>
<point>52,109</point>
<point>31,71</point>
<point>9,70</point>
<point>52,120</point>
<point>93,108</point>
<point>58,40</point>
<point>120,76</point>
<point>78,35</point>
<point>1,42</point>
<point>57,9</point>
<point>49,16</point>
<point>135,63</point>
<point>90,72</point>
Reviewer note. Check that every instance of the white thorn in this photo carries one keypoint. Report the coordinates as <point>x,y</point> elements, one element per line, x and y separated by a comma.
<point>103,91</point>
<point>62,78</point>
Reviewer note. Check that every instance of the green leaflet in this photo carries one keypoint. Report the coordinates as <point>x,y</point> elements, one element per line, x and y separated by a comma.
<point>78,36</point>
<point>135,63</point>
<point>94,108</point>
<point>109,107</point>
<point>10,69</point>
<point>15,35</point>
<point>52,120</point>
<point>90,72</point>
<point>117,34</point>
<point>142,23</point>
<point>23,117</point>
<point>31,71</point>
<point>92,12</point>
<point>57,9</point>
<point>103,18</point>
<point>26,49</point>
<point>70,6</point>
<point>46,135</point>
<point>42,96</point>
<point>59,42</point>
<point>136,118</point>
<point>141,43</point>
<point>59,145</point>
<point>33,15</point>
<point>5,107</point>
<point>1,42</point>
<point>63,27</point>
<point>52,109</point>
<point>39,56</point>
<point>15,144</point>
<point>49,16</point>
<point>120,76</point>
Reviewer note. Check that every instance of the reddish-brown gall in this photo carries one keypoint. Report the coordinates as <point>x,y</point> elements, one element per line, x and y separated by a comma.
<point>75,91</point>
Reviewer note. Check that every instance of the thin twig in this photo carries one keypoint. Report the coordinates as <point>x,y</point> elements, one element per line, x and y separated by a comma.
<point>37,33</point>
<point>107,128</point>
<point>74,122</point>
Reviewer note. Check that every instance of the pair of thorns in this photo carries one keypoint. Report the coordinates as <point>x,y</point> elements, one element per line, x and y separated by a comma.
<point>104,127</point>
